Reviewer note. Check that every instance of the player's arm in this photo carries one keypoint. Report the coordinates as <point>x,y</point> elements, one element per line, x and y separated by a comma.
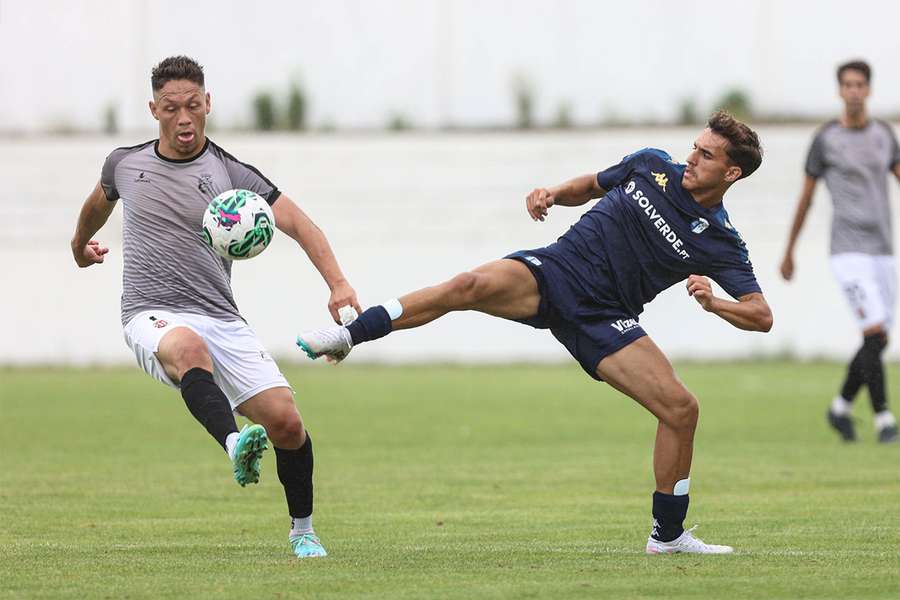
<point>803,204</point>
<point>574,192</point>
<point>94,214</point>
<point>896,170</point>
<point>290,219</point>
<point>751,312</point>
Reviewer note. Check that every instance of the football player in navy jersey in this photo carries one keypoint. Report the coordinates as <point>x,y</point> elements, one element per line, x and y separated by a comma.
<point>658,223</point>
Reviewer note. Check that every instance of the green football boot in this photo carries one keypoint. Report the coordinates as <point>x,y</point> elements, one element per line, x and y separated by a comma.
<point>249,449</point>
<point>307,545</point>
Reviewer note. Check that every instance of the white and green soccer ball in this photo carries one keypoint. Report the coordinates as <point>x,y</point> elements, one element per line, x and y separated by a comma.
<point>238,224</point>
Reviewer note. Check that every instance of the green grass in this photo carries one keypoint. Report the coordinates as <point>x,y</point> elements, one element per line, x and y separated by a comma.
<point>444,482</point>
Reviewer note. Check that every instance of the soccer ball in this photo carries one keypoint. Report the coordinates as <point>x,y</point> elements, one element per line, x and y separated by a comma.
<point>238,224</point>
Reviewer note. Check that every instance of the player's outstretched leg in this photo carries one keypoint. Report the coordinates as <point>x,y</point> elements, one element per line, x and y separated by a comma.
<point>294,459</point>
<point>641,371</point>
<point>503,288</point>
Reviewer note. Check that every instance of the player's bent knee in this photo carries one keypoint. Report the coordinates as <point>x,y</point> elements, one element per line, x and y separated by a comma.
<point>286,429</point>
<point>183,353</point>
<point>469,289</point>
<point>682,410</point>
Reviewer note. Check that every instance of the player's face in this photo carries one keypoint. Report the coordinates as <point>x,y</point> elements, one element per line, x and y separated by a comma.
<point>854,89</point>
<point>708,165</point>
<point>181,107</point>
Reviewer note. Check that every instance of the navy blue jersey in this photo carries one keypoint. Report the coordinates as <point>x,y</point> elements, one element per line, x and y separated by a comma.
<point>647,233</point>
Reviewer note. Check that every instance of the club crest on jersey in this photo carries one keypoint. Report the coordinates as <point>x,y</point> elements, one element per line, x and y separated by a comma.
<point>205,184</point>
<point>662,180</point>
<point>699,225</point>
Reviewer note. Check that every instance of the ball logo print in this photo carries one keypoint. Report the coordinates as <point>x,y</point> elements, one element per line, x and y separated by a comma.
<point>238,224</point>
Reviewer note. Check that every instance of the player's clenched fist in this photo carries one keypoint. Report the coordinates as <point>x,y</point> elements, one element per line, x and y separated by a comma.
<point>538,202</point>
<point>700,288</point>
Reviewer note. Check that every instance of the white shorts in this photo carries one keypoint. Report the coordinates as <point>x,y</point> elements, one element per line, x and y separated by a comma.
<point>241,365</point>
<point>870,285</point>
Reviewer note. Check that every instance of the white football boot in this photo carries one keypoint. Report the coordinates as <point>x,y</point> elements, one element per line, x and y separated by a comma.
<point>334,343</point>
<point>686,543</point>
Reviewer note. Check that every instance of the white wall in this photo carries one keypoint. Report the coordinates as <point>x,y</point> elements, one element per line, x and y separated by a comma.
<point>403,212</point>
<point>439,62</point>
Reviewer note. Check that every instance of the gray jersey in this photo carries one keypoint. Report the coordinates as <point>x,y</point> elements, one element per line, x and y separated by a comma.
<point>855,163</point>
<point>167,265</point>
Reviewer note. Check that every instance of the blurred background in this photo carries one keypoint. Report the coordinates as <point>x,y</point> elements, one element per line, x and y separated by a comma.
<point>411,132</point>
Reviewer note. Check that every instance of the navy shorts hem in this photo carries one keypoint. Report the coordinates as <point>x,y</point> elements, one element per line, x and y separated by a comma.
<point>589,330</point>
<point>609,350</point>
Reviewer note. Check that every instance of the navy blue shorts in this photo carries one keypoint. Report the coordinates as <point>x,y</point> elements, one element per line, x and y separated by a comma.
<point>590,330</point>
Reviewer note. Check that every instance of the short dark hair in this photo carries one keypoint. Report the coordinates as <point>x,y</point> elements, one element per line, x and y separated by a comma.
<point>855,65</point>
<point>174,68</point>
<point>743,149</point>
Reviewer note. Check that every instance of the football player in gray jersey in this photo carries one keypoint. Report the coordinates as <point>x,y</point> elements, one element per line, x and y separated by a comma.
<point>855,154</point>
<point>178,313</point>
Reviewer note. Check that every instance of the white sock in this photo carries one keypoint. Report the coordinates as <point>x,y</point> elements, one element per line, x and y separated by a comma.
<point>393,308</point>
<point>299,526</point>
<point>231,442</point>
<point>840,407</point>
<point>884,419</point>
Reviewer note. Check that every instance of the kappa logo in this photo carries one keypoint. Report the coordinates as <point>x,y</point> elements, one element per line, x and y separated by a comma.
<point>699,225</point>
<point>662,180</point>
<point>623,326</point>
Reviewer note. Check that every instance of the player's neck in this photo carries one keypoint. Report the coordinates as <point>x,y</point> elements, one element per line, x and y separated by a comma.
<point>167,151</point>
<point>708,198</point>
<point>855,119</point>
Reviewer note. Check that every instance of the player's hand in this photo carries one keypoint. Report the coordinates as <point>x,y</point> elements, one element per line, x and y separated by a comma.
<point>90,254</point>
<point>538,202</point>
<point>342,294</point>
<point>787,267</point>
<point>700,288</point>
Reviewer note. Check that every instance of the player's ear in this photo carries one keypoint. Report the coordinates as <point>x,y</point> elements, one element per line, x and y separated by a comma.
<point>208,103</point>
<point>153,110</point>
<point>732,174</point>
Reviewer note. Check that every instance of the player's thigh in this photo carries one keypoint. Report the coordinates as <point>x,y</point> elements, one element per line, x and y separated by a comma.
<point>886,271</point>
<point>641,371</point>
<point>182,349</point>
<point>507,289</point>
<point>150,331</point>
<point>863,287</point>
<point>241,365</point>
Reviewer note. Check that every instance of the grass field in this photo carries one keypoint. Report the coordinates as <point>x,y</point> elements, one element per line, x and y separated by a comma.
<point>444,482</point>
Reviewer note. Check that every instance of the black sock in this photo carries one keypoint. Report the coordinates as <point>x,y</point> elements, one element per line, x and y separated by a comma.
<point>854,379</point>
<point>208,403</point>
<point>295,470</point>
<point>873,370</point>
<point>668,516</point>
<point>374,323</point>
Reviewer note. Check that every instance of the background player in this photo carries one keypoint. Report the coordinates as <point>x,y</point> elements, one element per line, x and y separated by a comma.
<point>178,312</point>
<point>658,223</point>
<point>855,154</point>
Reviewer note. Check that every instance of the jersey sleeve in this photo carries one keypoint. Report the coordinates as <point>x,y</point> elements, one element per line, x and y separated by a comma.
<point>737,279</point>
<point>616,174</point>
<point>108,173</point>
<point>895,149</point>
<point>815,158</point>
<point>247,177</point>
